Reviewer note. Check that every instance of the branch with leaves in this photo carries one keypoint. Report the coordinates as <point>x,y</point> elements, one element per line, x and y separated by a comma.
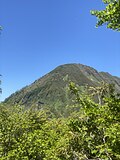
<point>110,15</point>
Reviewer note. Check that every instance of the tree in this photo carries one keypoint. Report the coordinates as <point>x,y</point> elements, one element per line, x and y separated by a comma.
<point>0,87</point>
<point>0,29</point>
<point>0,74</point>
<point>110,15</point>
<point>90,132</point>
<point>31,135</point>
<point>95,129</point>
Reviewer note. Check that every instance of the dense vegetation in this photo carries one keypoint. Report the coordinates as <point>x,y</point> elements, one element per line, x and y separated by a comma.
<point>89,130</point>
<point>86,130</point>
<point>50,90</point>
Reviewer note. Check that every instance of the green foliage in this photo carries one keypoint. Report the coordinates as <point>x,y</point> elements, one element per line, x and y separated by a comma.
<point>51,89</point>
<point>91,130</point>
<point>95,130</point>
<point>30,135</point>
<point>110,15</point>
<point>0,85</point>
<point>0,27</point>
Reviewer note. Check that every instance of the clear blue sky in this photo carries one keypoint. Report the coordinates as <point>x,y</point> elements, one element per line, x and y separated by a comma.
<point>39,35</point>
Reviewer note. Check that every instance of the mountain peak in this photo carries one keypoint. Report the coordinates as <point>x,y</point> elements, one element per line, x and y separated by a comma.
<point>51,88</point>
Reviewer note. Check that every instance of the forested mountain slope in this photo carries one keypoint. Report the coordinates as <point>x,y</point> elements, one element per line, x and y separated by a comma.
<point>51,88</point>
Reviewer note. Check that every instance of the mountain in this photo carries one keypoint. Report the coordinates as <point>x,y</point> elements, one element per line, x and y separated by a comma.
<point>51,89</point>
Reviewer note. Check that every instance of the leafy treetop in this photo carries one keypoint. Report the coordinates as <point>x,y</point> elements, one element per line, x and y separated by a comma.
<point>110,15</point>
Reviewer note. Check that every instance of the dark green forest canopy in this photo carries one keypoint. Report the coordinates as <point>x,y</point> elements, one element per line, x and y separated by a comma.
<point>110,15</point>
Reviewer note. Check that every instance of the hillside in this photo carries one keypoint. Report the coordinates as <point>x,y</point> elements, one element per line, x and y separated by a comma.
<point>51,88</point>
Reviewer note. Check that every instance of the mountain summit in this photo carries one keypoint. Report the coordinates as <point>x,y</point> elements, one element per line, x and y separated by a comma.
<point>51,88</point>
